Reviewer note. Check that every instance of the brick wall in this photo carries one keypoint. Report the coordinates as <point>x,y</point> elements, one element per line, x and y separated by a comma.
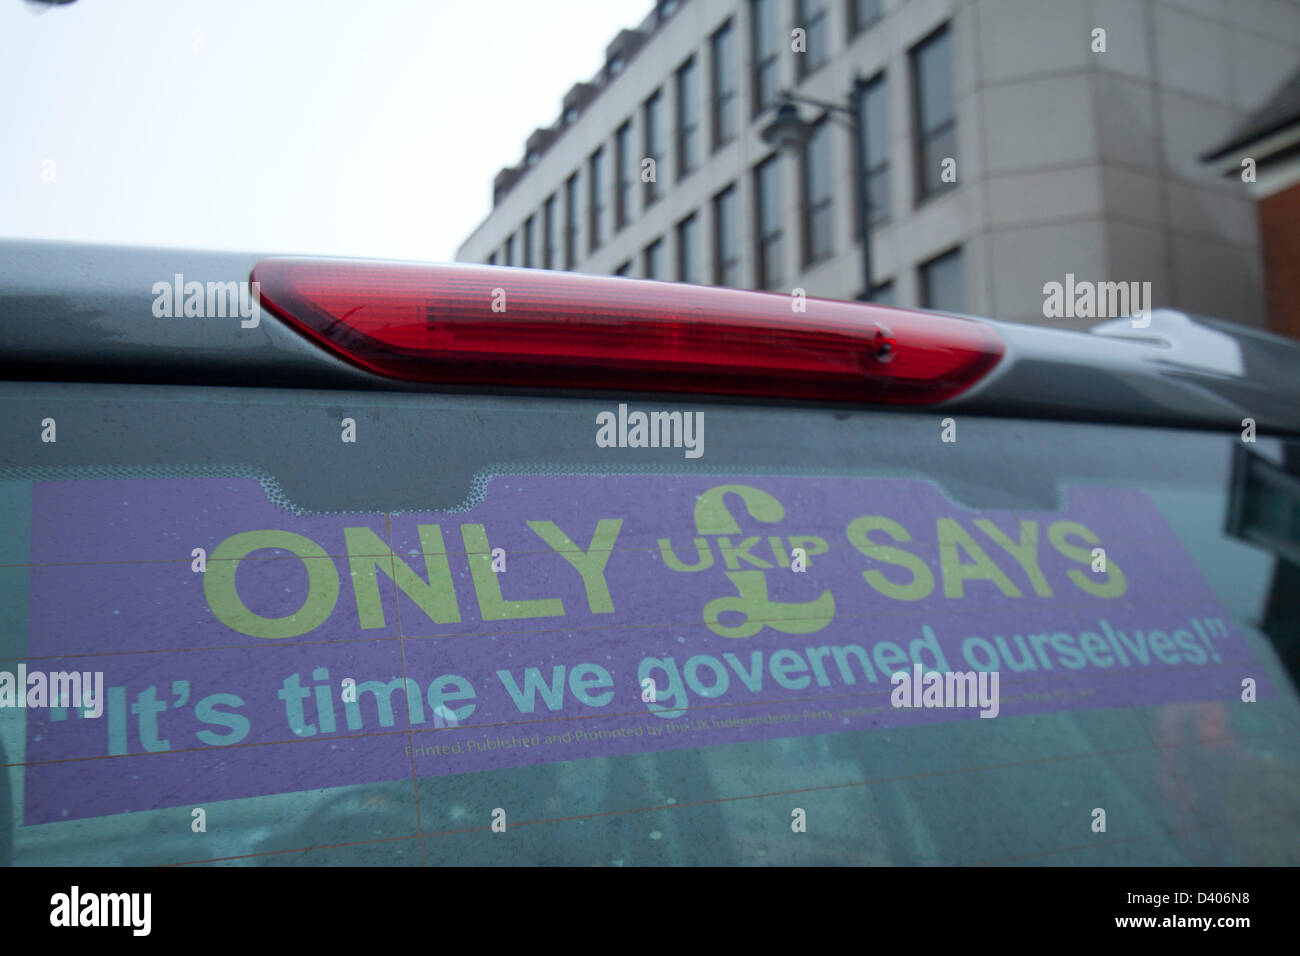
<point>1279,233</point>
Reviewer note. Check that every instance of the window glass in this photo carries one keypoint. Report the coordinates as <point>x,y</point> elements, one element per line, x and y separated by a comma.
<point>1119,688</point>
<point>767,185</point>
<point>936,114</point>
<point>874,129</point>
<point>818,222</point>
<point>688,118</point>
<point>530,241</point>
<point>765,46</point>
<point>653,142</point>
<point>724,86</point>
<point>726,254</point>
<point>688,250</point>
<point>625,173</point>
<point>654,256</point>
<point>571,222</point>
<point>943,283</point>
<point>551,229</point>
<point>863,14</point>
<point>595,198</point>
<point>811,16</point>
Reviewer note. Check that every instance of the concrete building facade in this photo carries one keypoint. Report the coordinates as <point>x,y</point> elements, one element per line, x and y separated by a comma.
<point>1008,144</point>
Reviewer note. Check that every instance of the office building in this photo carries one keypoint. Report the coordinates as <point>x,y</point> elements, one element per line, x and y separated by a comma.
<point>1005,144</point>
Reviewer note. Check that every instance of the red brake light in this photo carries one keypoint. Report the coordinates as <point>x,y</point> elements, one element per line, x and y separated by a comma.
<point>483,325</point>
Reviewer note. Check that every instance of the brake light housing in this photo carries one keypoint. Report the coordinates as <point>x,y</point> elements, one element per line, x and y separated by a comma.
<point>484,325</point>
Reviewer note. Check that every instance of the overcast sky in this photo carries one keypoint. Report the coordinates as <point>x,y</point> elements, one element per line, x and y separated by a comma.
<point>335,127</point>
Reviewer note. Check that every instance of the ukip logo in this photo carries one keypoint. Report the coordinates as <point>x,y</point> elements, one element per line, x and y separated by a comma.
<point>714,520</point>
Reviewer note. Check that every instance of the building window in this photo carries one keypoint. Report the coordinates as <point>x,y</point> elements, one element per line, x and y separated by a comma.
<point>818,226</point>
<point>530,238</point>
<point>688,118</point>
<point>550,232</point>
<point>688,250</point>
<point>653,257</point>
<point>765,48</point>
<point>723,64</point>
<point>571,222</point>
<point>623,176</point>
<point>943,283</point>
<point>492,259</point>
<point>652,140</point>
<point>873,127</point>
<point>726,245</point>
<point>883,294</point>
<point>811,16</point>
<point>863,14</point>
<point>936,114</point>
<point>595,199</point>
<point>767,200</point>
<point>510,251</point>
<point>625,269</point>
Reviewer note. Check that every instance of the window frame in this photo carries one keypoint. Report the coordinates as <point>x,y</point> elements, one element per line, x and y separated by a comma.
<point>688,260</point>
<point>529,241</point>
<point>595,207</point>
<point>874,85</point>
<point>922,137</point>
<point>805,66</point>
<point>855,24</point>
<point>722,265</point>
<point>810,207</point>
<point>548,232</point>
<point>879,287</point>
<point>622,179</point>
<point>762,61</point>
<point>571,221</point>
<point>652,144</point>
<point>656,247</point>
<point>764,238</point>
<point>688,133</point>
<point>924,272</point>
<point>723,91</point>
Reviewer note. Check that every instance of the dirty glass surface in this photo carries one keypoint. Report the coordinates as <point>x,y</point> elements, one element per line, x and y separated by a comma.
<point>96,574</point>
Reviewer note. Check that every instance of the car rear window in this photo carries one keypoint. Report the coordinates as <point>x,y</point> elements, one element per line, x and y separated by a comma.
<point>360,628</point>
